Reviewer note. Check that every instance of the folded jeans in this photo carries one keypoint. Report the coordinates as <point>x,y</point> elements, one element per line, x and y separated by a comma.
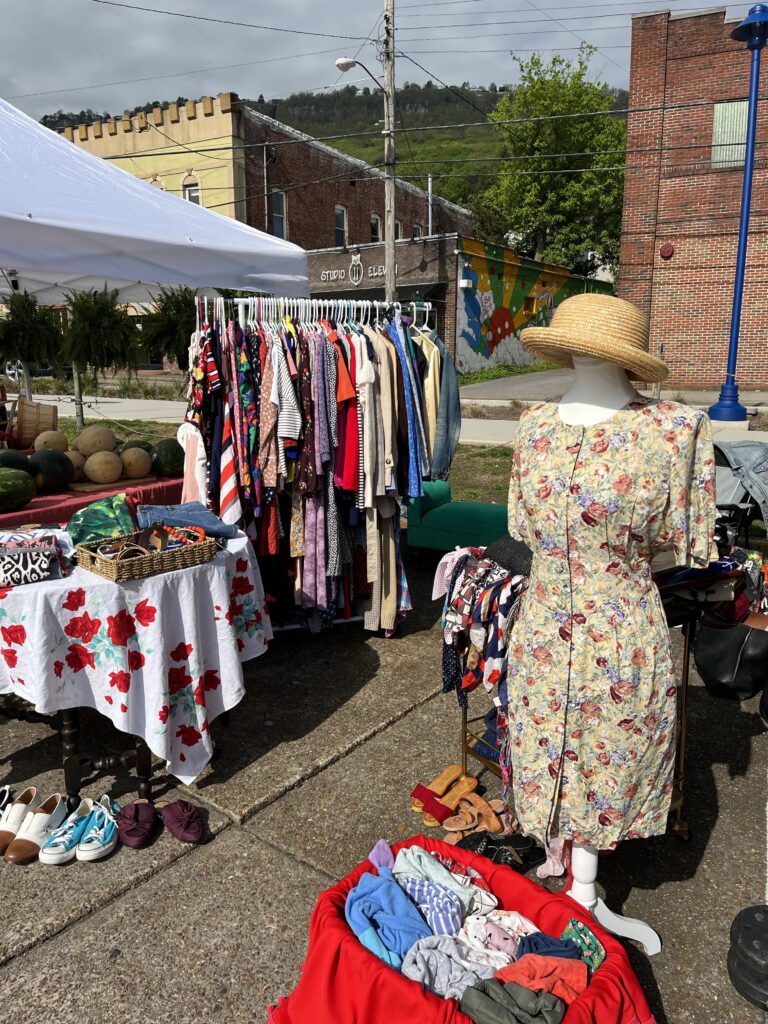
<point>191,513</point>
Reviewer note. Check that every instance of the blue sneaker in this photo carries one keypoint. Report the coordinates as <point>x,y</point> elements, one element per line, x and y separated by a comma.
<point>62,843</point>
<point>100,838</point>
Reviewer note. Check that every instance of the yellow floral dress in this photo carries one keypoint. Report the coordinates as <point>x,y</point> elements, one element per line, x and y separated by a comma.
<point>592,688</point>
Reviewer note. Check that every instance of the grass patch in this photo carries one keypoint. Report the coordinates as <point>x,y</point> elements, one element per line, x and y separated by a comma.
<point>481,474</point>
<point>137,387</point>
<point>503,370</point>
<point>126,430</point>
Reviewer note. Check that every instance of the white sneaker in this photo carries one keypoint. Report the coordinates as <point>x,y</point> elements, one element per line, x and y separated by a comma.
<point>100,838</point>
<point>61,845</point>
<point>14,814</point>
<point>35,830</point>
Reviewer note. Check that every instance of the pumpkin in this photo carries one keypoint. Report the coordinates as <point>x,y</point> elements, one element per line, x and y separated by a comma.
<point>17,489</point>
<point>78,461</point>
<point>95,439</point>
<point>53,440</point>
<point>136,462</point>
<point>52,471</point>
<point>12,459</point>
<point>103,467</point>
<point>168,459</point>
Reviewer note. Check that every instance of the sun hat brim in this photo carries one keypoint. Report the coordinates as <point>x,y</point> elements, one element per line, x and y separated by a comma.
<point>559,346</point>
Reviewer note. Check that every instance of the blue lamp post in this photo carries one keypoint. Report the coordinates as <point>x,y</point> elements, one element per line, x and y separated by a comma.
<point>754,32</point>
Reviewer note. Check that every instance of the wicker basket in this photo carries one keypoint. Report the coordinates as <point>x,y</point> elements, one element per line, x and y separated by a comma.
<point>141,566</point>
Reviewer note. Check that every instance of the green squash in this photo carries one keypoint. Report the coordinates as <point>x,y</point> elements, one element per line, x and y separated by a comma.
<point>53,472</point>
<point>168,459</point>
<point>134,444</point>
<point>17,489</point>
<point>11,459</point>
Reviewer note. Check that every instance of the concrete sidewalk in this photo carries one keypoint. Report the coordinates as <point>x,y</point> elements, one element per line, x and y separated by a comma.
<point>315,765</point>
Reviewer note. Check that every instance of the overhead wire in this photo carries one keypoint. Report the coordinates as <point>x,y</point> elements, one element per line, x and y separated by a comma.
<point>226,21</point>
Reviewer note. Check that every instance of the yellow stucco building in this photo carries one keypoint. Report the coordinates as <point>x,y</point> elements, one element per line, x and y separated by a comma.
<point>194,150</point>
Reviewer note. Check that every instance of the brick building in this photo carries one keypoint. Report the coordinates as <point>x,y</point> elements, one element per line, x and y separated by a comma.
<point>344,207</point>
<point>689,83</point>
<point>221,154</point>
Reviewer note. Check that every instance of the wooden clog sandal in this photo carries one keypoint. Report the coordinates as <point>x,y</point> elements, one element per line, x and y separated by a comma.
<point>439,785</point>
<point>488,819</point>
<point>465,785</point>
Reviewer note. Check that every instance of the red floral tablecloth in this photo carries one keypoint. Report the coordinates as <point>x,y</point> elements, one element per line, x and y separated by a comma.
<point>160,657</point>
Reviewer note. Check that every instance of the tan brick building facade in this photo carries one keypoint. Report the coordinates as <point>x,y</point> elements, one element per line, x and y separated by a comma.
<point>682,198</point>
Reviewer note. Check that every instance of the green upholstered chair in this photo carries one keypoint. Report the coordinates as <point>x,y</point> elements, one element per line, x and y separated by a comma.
<point>436,522</point>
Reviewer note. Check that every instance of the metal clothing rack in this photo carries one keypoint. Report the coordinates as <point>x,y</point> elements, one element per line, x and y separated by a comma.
<point>365,311</point>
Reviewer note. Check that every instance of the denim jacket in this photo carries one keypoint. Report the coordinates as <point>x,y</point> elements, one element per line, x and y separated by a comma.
<point>448,415</point>
<point>749,461</point>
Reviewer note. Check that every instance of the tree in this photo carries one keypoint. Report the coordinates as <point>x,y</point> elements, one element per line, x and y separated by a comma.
<point>169,325</point>
<point>567,212</point>
<point>100,334</point>
<point>29,332</point>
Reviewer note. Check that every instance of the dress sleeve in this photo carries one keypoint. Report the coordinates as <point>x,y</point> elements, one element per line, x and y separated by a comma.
<point>689,523</point>
<point>517,520</point>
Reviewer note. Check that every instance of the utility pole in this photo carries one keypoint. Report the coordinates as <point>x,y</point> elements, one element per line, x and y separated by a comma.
<point>388,59</point>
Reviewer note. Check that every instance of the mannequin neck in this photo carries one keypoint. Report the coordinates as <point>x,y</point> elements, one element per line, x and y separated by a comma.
<point>599,389</point>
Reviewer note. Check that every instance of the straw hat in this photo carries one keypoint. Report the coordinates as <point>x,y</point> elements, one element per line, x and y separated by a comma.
<point>599,326</point>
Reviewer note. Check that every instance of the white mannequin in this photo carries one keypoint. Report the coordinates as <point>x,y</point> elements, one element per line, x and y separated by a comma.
<point>599,391</point>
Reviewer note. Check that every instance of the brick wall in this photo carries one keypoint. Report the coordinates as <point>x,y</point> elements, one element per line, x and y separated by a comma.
<point>674,196</point>
<point>311,210</point>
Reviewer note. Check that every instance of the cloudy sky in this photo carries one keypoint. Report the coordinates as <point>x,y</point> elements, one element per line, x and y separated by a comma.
<point>75,54</point>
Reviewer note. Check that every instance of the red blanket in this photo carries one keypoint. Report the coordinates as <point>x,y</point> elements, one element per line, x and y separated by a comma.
<point>342,983</point>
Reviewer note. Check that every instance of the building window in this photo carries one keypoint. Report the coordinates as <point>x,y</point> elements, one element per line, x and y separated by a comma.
<point>340,239</point>
<point>191,190</point>
<point>279,222</point>
<point>729,134</point>
<point>376,235</point>
<point>418,230</point>
<point>398,229</point>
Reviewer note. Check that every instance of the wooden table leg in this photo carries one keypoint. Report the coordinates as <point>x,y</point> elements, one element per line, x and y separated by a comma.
<point>144,769</point>
<point>70,734</point>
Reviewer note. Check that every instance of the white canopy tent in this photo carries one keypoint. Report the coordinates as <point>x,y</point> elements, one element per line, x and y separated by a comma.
<point>71,221</point>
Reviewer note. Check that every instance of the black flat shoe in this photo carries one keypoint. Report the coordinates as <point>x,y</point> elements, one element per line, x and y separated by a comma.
<point>521,853</point>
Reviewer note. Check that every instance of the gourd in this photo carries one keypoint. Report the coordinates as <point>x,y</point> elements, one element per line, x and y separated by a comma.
<point>12,459</point>
<point>103,467</point>
<point>17,489</point>
<point>52,471</point>
<point>95,439</point>
<point>78,461</point>
<point>136,463</point>
<point>168,459</point>
<point>53,440</point>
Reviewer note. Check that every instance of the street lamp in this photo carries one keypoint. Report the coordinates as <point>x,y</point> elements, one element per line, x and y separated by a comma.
<point>388,92</point>
<point>754,32</point>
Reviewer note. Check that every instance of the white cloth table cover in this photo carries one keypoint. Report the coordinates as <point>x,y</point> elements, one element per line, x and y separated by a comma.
<point>160,657</point>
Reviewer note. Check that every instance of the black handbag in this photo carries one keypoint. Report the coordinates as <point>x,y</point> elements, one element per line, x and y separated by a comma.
<point>733,662</point>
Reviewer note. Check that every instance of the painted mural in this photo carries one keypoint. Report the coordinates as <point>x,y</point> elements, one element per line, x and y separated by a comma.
<point>499,294</point>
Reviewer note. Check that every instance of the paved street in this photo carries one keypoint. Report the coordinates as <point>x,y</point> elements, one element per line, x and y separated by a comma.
<point>314,766</point>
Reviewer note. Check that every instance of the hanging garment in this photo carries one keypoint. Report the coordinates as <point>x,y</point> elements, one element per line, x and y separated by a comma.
<point>592,689</point>
<point>448,427</point>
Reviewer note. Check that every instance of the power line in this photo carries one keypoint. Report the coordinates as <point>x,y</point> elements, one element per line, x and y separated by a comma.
<point>464,3</point>
<point>486,123</point>
<point>556,21</point>
<point>632,7</point>
<point>156,78</point>
<point>224,21</point>
<point>533,49</point>
<point>498,24</point>
<point>469,102</point>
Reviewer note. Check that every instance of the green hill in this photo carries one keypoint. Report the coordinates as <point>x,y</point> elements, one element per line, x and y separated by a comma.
<point>349,109</point>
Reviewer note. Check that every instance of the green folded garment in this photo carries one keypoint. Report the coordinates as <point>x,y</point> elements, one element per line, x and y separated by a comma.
<point>490,1002</point>
<point>101,520</point>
